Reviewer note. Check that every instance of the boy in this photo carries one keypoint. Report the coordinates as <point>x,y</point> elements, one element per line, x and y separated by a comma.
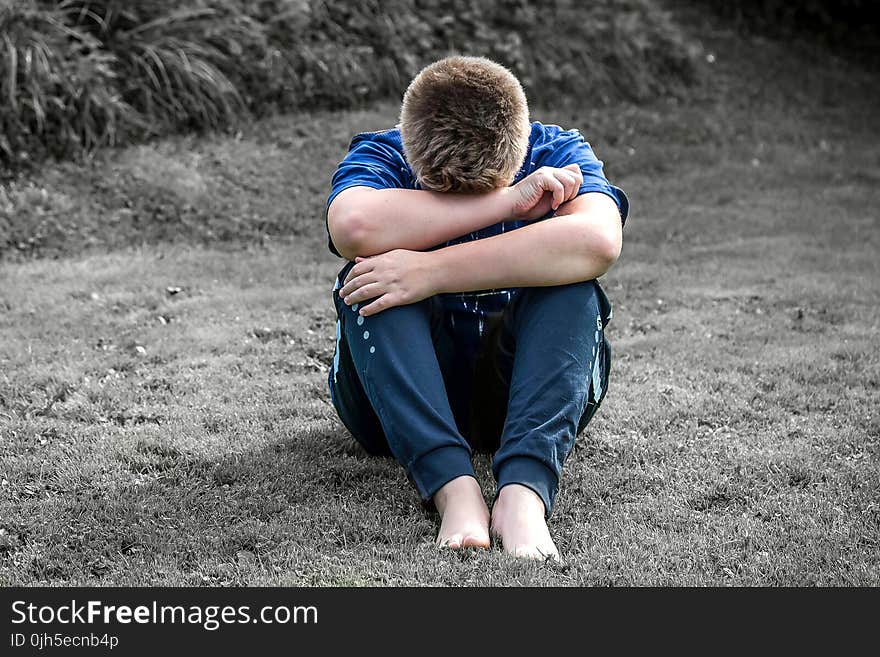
<point>466,321</point>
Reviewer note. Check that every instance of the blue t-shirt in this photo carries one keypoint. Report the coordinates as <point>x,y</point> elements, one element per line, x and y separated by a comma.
<point>377,160</point>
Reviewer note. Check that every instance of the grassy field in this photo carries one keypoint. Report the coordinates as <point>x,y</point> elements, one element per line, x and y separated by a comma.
<point>164,417</point>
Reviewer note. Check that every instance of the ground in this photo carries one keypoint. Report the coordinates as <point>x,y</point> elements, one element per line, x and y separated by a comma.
<point>165,418</point>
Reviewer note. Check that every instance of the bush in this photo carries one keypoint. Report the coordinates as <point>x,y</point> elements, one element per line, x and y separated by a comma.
<point>59,88</point>
<point>339,53</point>
<point>184,66</point>
<point>80,74</point>
<point>834,21</point>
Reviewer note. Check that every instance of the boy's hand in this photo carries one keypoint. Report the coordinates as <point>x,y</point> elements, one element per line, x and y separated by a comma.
<point>395,278</point>
<point>545,190</point>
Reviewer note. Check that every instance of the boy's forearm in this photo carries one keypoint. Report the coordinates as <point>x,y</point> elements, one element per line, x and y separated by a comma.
<point>568,248</point>
<point>365,221</point>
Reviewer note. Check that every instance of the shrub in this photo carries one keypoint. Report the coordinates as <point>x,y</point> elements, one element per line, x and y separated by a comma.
<point>174,61</point>
<point>339,53</point>
<point>59,88</point>
<point>79,74</point>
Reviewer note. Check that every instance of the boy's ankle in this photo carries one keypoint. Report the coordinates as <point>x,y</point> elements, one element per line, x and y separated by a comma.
<point>463,486</point>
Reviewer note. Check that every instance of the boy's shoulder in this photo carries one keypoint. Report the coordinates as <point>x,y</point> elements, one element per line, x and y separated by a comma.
<point>389,136</point>
<point>547,134</point>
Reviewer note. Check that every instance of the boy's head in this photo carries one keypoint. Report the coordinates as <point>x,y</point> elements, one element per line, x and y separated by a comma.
<point>465,125</point>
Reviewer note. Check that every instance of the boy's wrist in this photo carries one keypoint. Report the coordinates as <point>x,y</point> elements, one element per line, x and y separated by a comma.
<point>506,199</point>
<point>438,269</point>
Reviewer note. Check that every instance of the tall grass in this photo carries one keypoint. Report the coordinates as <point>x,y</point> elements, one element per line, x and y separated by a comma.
<point>58,88</point>
<point>174,60</point>
<point>80,74</point>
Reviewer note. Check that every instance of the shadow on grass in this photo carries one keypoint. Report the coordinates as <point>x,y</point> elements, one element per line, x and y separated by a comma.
<point>180,519</point>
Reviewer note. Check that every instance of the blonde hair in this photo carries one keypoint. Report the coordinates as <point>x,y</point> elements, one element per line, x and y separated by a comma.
<point>464,123</point>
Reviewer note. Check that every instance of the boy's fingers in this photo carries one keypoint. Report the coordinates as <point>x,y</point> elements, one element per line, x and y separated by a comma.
<point>363,293</point>
<point>558,193</point>
<point>570,182</point>
<point>578,181</point>
<point>376,306</point>
<point>562,182</point>
<point>576,170</point>
<point>355,283</point>
<point>358,269</point>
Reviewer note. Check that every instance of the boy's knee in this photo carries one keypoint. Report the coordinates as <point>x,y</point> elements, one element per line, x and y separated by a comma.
<point>568,298</point>
<point>576,289</point>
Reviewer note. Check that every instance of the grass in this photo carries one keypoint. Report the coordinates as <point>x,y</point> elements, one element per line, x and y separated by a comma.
<point>156,435</point>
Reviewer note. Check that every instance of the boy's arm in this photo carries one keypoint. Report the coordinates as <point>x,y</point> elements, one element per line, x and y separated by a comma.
<point>363,221</point>
<point>580,243</point>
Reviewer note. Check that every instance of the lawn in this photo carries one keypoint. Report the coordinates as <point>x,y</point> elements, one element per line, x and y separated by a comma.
<point>164,415</point>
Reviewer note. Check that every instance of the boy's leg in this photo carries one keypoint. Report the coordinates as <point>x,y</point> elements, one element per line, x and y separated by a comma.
<point>386,383</point>
<point>553,350</point>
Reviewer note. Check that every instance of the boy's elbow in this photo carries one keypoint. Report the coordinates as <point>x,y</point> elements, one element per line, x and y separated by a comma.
<point>602,249</point>
<point>598,232</point>
<point>348,230</point>
<point>605,250</point>
<point>611,249</point>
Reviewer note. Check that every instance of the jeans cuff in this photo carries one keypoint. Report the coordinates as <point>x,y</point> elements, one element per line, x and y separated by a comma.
<point>438,467</point>
<point>533,474</point>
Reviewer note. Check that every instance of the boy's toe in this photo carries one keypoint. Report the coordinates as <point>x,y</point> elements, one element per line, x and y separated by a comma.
<point>452,542</point>
<point>476,541</point>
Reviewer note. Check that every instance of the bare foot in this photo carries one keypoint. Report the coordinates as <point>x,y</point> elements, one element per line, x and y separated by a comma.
<point>518,520</point>
<point>465,514</point>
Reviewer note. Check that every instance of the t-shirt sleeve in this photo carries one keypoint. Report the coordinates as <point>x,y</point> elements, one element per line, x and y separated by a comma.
<point>369,163</point>
<point>569,147</point>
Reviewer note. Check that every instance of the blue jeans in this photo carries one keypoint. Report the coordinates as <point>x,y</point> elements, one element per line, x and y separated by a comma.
<point>405,383</point>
